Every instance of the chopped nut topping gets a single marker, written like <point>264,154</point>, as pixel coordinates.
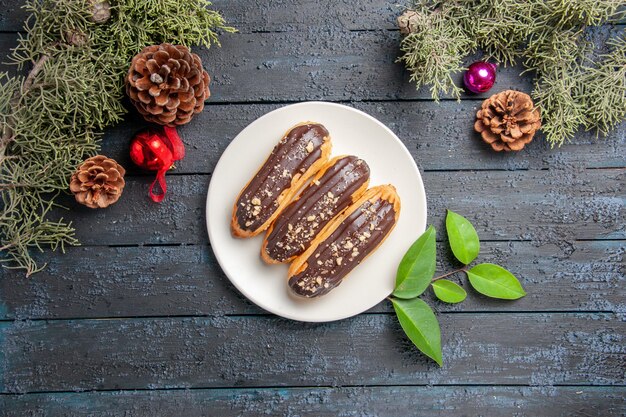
<point>318,280</point>
<point>331,195</point>
<point>316,182</point>
<point>339,260</point>
<point>310,218</point>
<point>248,223</point>
<point>367,234</point>
<point>256,202</point>
<point>289,227</point>
<point>310,147</point>
<point>348,245</point>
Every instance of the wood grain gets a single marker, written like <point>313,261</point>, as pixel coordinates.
<point>436,401</point>
<point>203,352</point>
<point>96,282</point>
<point>117,315</point>
<point>546,206</point>
<point>250,16</point>
<point>312,65</point>
<point>440,136</point>
<point>273,15</point>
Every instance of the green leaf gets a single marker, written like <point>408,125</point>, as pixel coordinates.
<point>417,266</point>
<point>495,281</point>
<point>448,291</point>
<point>463,238</point>
<point>421,326</point>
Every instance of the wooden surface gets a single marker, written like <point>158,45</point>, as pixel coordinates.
<point>141,321</point>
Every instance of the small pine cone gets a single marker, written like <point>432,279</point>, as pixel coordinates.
<point>508,120</point>
<point>167,84</point>
<point>98,182</point>
<point>407,22</point>
<point>76,37</point>
<point>100,10</point>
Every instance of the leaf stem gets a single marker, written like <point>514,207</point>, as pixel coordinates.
<point>463,269</point>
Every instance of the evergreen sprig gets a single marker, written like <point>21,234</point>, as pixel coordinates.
<point>416,273</point>
<point>51,119</point>
<point>573,89</point>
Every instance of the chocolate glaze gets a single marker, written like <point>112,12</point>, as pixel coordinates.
<point>323,199</point>
<point>294,154</point>
<point>355,238</point>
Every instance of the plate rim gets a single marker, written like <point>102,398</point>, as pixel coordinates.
<point>239,288</point>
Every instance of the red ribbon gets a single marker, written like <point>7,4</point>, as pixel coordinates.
<point>158,151</point>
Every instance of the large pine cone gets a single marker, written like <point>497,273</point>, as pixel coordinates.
<point>98,182</point>
<point>508,120</point>
<point>167,84</point>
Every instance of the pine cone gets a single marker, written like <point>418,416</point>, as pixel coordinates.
<point>100,10</point>
<point>167,84</point>
<point>508,120</point>
<point>98,182</point>
<point>407,22</point>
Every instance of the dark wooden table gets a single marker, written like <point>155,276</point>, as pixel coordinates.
<point>141,321</point>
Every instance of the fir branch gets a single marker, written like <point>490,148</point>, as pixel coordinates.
<point>561,113</point>
<point>51,120</point>
<point>603,89</point>
<point>433,51</point>
<point>572,89</point>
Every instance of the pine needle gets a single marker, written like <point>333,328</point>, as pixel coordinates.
<point>51,120</point>
<point>572,88</point>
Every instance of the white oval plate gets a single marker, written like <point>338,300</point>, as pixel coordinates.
<point>352,132</point>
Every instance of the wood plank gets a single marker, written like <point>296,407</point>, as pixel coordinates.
<point>297,15</point>
<point>313,65</point>
<point>96,282</point>
<point>548,206</point>
<point>304,61</point>
<point>439,136</point>
<point>506,349</point>
<point>433,129</point>
<point>274,15</point>
<point>318,402</point>
<point>320,64</point>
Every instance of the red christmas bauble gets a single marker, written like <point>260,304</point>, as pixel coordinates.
<point>480,77</point>
<point>157,150</point>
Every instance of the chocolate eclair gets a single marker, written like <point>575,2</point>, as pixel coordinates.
<point>338,184</point>
<point>345,242</point>
<point>298,156</point>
